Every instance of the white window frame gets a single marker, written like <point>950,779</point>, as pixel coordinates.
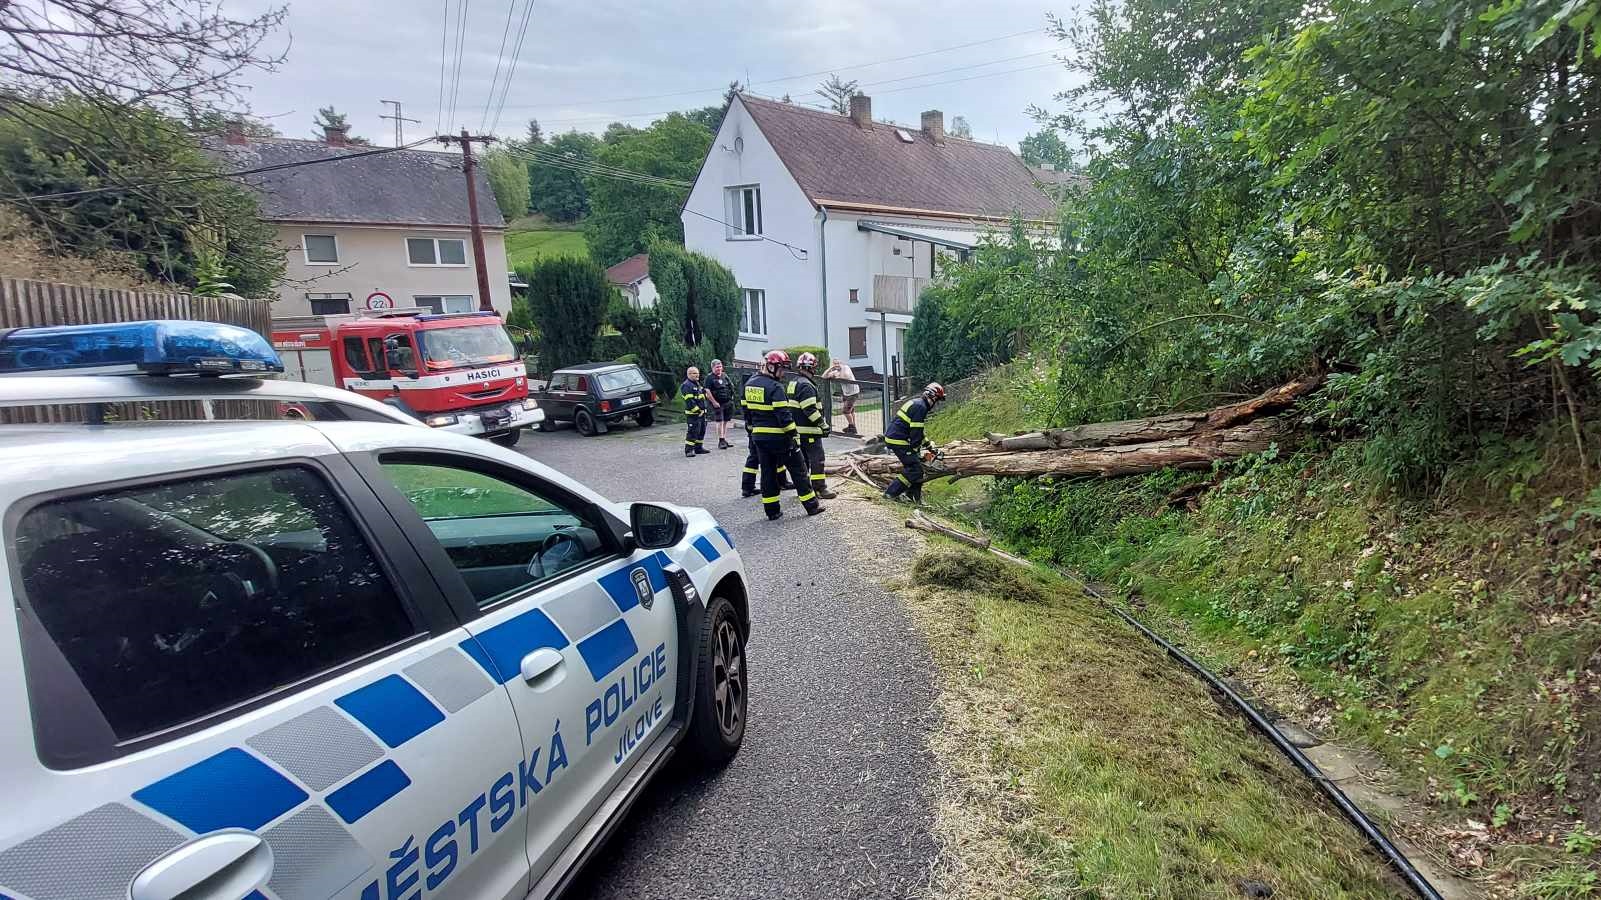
<point>436,264</point>
<point>471,306</point>
<point>734,205</point>
<point>745,297</point>
<point>306,254</point>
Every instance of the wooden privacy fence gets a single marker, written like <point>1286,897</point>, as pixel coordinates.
<point>33,303</point>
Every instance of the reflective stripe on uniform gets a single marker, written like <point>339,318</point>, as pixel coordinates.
<point>764,407</point>
<point>809,430</point>
<point>750,471</point>
<point>807,497</point>
<point>769,499</point>
<point>763,429</point>
<point>809,401</point>
<point>780,470</point>
<point>903,480</point>
<point>819,477</point>
<point>897,442</point>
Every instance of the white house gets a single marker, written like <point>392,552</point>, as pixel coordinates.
<point>834,224</point>
<point>369,231</point>
<point>632,277</point>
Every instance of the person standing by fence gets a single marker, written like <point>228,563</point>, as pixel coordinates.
<point>720,388</point>
<point>694,413</point>
<point>849,391</point>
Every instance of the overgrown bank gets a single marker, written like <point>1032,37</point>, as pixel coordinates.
<point>1455,634</point>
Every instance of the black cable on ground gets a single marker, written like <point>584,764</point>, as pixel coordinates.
<point>1370,830</point>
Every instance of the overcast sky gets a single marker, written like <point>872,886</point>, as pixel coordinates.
<point>584,61</point>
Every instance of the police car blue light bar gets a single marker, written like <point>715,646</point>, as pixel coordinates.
<point>156,347</point>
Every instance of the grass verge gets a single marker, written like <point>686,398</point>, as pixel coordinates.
<point>525,247</point>
<point>1079,762</point>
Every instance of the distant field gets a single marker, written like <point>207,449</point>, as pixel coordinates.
<point>524,247</point>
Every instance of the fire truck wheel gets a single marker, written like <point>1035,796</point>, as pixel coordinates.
<point>507,438</point>
<point>584,422</point>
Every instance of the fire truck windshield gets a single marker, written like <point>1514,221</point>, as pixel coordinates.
<point>469,345</point>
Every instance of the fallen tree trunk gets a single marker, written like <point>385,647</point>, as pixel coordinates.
<point>1195,451</point>
<point>1139,431</point>
<point>924,523</point>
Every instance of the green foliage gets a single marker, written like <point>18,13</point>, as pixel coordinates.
<point>525,246</point>
<point>568,299</point>
<point>1045,146</point>
<point>697,307</point>
<point>558,192</point>
<point>626,216</point>
<point>508,179</point>
<point>973,570</point>
<point>837,93</point>
<point>80,146</point>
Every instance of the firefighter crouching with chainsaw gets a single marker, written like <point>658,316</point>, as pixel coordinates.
<point>772,430</point>
<point>904,436</point>
<point>809,422</point>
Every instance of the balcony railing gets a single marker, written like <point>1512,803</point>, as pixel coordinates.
<point>896,293</point>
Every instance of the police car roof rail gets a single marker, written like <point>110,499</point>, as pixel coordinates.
<point>78,390</point>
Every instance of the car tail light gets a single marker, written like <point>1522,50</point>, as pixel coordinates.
<point>605,406</point>
<point>653,397</point>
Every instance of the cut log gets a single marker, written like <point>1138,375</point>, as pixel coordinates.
<point>1139,431</point>
<point>1195,451</point>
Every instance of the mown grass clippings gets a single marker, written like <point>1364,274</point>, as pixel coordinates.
<point>973,570</point>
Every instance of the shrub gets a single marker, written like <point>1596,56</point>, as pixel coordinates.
<point>820,352</point>
<point>568,299</point>
<point>698,307</point>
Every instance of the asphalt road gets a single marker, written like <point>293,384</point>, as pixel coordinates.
<point>829,798</point>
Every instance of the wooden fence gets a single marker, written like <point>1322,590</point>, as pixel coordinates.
<point>34,303</point>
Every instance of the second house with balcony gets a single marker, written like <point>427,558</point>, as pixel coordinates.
<point>834,224</point>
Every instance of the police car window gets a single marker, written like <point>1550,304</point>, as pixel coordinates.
<point>502,537</point>
<point>174,601</point>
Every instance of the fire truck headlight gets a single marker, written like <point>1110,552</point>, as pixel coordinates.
<point>440,421</point>
<point>530,403</point>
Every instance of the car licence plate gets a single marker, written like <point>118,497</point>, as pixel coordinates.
<point>630,401</point>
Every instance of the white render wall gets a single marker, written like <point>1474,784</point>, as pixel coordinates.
<point>794,309</point>
<point>374,258</point>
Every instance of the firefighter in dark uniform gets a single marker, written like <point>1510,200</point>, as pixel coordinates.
<point>694,413</point>
<point>809,422</point>
<point>904,436</point>
<point>772,431</point>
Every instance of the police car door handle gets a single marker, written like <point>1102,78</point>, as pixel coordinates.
<point>541,664</point>
<point>227,864</point>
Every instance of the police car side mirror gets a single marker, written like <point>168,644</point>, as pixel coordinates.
<point>656,527</point>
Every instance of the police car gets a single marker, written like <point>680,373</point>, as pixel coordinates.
<point>348,657</point>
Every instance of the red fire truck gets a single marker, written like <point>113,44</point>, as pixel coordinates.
<point>455,371</point>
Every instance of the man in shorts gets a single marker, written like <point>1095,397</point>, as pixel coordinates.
<point>850,390</point>
<point>720,390</point>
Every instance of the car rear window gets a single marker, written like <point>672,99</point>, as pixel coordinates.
<point>173,601</point>
<point>623,379</point>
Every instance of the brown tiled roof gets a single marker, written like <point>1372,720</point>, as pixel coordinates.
<point>836,162</point>
<point>634,269</point>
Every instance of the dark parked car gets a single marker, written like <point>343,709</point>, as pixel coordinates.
<point>595,395</point>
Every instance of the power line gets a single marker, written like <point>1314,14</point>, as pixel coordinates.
<point>799,253</point>
<point>516,56</point>
<point>590,167</point>
<point>913,87</point>
<point>829,71</point>
<point>500,57</point>
<point>455,78</point>
<point>215,176</point>
<point>957,68</point>
<point>444,36</point>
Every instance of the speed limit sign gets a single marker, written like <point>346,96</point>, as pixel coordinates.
<point>380,300</point>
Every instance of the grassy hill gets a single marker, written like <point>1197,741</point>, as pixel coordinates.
<point>524,246</point>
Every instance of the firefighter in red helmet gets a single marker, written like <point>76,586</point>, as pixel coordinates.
<point>770,421</point>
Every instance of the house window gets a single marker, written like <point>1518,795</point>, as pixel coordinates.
<point>446,303</point>
<point>329,304</point>
<point>744,212</point>
<point>436,251</point>
<point>859,342</point>
<point>320,249</point>
<point>856,295</point>
<point>754,318</point>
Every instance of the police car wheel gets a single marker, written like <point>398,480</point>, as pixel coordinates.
<point>718,728</point>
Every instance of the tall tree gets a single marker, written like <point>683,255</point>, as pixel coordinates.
<point>712,116</point>
<point>328,117</point>
<point>536,136</point>
<point>837,93</point>
<point>626,214</point>
<point>960,128</point>
<point>508,179</point>
<point>698,306</point>
<point>1045,146</point>
<point>555,188</point>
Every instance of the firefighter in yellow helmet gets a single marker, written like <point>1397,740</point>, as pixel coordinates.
<point>904,436</point>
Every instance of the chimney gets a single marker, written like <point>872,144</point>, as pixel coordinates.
<point>234,132</point>
<point>934,125</point>
<point>862,111</point>
<point>336,135</point>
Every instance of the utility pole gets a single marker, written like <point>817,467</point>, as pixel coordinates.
<point>400,120</point>
<point>469,165</point>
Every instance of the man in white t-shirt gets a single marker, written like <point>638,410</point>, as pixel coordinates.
<point>850,391</point>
